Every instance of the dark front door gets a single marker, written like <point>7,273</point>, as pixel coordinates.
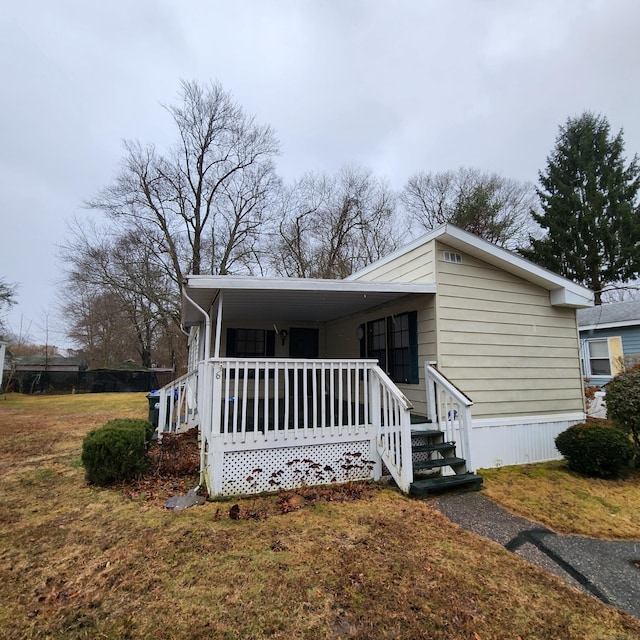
<point>303,343</point>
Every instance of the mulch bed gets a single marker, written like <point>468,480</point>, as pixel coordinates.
<point>175,467</point>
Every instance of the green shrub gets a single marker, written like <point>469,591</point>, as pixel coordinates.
<point>133,423</point>
<point>116,451</point>
<point>623,402</point>
<point>596,450</point>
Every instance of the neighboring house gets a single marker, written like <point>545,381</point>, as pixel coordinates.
<point>449,339</point>
<point>35,374</point>
<point>610,340</point>
<point>126,377</point>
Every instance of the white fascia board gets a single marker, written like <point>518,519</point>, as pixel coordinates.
<point>303,284</point>
<point>563,292</point>
<point>566,297</point>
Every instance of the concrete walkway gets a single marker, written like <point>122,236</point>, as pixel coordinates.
<point>609,570</point>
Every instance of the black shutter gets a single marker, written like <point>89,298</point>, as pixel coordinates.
<point>414,367</point>
<point>271,343</point>
<point>231,342</point>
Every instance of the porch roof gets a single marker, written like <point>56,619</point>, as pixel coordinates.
<point>295,299</point>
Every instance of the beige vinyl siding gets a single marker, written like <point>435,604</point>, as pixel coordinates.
<point>345,344</point>
<point>415,266</point>
<point>503,344</point>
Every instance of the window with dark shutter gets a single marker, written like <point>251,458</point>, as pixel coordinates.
<point>393,342</point>
<point>250,343</point>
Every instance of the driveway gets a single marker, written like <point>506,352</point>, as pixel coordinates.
<point>608,570</point>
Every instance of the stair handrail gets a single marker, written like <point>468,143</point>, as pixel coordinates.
<point>442,399</point>
<point>390,416</point>
<point>178,403</point>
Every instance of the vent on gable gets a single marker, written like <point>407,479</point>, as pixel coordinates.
<point>449,256</point>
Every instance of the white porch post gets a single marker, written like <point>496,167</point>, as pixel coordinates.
<point>216,348</point>
<point>432,409</point>
<point>406,453</point>
<point>375,417</point>
<point>213,402</point>
<point>214,405</point>
<point>465,428</point>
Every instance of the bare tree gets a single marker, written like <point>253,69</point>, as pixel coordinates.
<point>334,225</point>
<point>116,295</point>
<point>490,206</point>
<point>200,207</point>
<point>205,198</point>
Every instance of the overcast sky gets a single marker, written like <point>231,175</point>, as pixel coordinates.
<point>397,86</point>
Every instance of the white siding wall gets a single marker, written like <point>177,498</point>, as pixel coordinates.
<point>496,443</point>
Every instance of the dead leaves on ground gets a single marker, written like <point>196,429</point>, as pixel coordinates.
<point>174,467</point>
<point>262,507</point>
<point>52,594</point>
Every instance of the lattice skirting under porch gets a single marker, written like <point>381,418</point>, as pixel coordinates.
<point>255,471</point>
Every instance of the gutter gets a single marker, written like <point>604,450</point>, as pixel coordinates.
<point>207,353</point>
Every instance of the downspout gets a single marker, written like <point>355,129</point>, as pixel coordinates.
<point>207,324</point>
<point>207,352</point>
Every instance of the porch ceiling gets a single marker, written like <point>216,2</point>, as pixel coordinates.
<point>294,299</point>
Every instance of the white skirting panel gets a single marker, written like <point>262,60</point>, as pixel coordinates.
<point>258,470</point>
<point>519,440</point>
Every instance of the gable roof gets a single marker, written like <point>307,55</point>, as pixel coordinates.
<point>24,362</point>
<point>606,316</point>
<point>563,292</point>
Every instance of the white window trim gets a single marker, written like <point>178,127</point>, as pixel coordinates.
<point>586,358</point>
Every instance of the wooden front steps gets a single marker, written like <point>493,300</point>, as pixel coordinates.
<point>431,456</point>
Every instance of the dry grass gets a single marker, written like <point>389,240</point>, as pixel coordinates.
<point>82,562</point>
<point>567,502</point>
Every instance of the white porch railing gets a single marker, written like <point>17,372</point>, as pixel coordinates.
<point>390,410</point>
<point>278,400</point>
<point>179,404</point>
<point>258,403</point>
<point>248,404</point>
<point>450,410</point>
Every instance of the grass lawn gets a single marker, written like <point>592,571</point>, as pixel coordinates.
<point>568,502</point>
<point>82,562</point>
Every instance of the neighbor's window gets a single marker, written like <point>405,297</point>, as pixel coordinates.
<point>393,342</point>
<point>250,343</point>
<point>597,361</point>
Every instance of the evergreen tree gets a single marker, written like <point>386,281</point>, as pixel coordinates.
<point>590,208</point>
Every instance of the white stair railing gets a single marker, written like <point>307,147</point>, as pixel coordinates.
<point>390,415</point>
<point>449,409</point>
